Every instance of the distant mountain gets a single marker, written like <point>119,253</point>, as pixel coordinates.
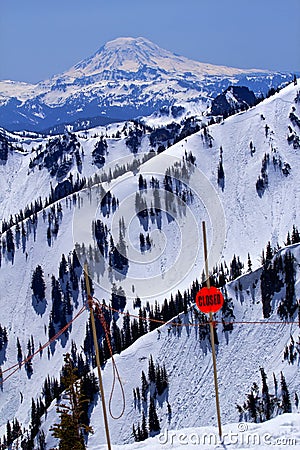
<point>126,78</point>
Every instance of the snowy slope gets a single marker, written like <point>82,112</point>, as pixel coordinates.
<point>282,432</point>
<point>251,221</point>
<point>273,214</point>
<point>245,211</point>
<point>189,366</point>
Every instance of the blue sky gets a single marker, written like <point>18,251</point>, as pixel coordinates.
<point>40,38</point>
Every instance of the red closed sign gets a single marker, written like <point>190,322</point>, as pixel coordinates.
<point>209,300</point>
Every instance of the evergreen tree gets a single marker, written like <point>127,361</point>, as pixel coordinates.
<point>288,305</point>
<point>116,338</point>
<point>252,402</point>
<point>145,386</point>
<point>142,241</point>
<point>63,267</point>
<point>249,263</point>
<point>221,175</point>
<point>144,431</point>
<point>235,268</point>
<point>295,235</point>
<point>10,245</point>
<point>19,351</point>
<point>70,428</point>
<point>151,370</point>
<point>157,202</point>
<point>38,284</point>
<point>121,260</point>
<point>89,390</point>
<point>28,364</point>
<point>9,438</point>
<point>153,422</point>
<point>56,301</point>
<point>141,182</point>
<point>265,395</point>
<point>142,322</point>
<point>275,384</point>
<point>3,338</point>
<point>35,419</point>
<point>286,402</point>
<point>269,253</point>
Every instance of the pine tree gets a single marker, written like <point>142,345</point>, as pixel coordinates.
<point>295,235</point>
<point>9,438</point>
<point>144,431</point>
<point>38,284</point>
<point>56,301</point>
<point>275,385</point>
<point>249,263</point>
<point>142,322</point>
<point>35,419</point>
<point>221,175</point>
<point>153,422</point>
<point>10,245</point>
<point>251,404</point>
<point>157,202</point>
<point>266,404</point>
<point>89,389</point>
<point>151,370</point>
<point>141,182</point>
<point>28,364</point>
<point>288,305</point>
<point>235,268</point>
<point>19,351</point>
<point>286,402</point>
<point>116,338</point>
<point>145,386</point>
<point>70,428</point>
<point>63,267</point>
<point>142,241</point>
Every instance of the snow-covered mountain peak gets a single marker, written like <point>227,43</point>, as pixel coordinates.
<point>121,54</point>
<point>132,54</point>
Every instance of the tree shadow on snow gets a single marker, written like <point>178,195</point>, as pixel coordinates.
<point>39,305</point>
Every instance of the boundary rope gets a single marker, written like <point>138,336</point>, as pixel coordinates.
<point>172,322</point>
<point>18,365</point>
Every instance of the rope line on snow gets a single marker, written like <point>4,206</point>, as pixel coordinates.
<point>18,365</point>
<point>116,374</point>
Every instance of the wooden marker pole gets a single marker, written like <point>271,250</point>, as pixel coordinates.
<point>212,336</point>
<point>90,304</point>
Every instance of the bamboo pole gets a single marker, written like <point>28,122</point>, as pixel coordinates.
<point>90,305</point>
<point>212,336</point>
